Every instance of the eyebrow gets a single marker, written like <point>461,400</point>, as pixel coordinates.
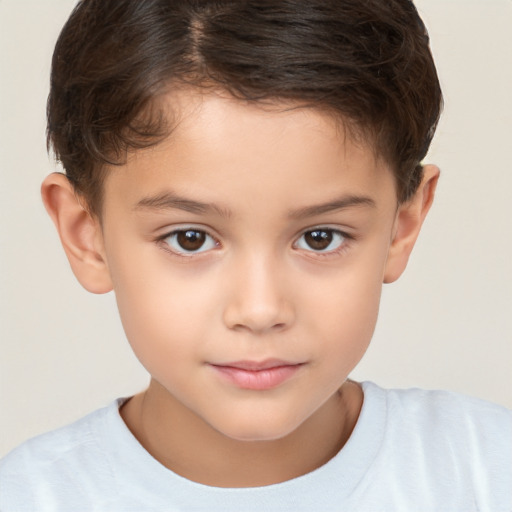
<point>170,200</point>
<point>337,204</point>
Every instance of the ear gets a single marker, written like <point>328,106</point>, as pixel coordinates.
<point>80,233</point>
<point>408,222</point>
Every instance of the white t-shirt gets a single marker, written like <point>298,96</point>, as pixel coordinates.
<point>411,451</point>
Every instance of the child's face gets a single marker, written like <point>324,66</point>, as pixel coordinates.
<point>249,237</point>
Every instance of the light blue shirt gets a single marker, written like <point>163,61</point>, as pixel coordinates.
<point>411,451</point>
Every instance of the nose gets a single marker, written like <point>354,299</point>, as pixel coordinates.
<point>258,299</point>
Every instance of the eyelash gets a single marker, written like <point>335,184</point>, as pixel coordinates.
<point>346,240</point>
<point>343,246</point>
<point>161,240</point>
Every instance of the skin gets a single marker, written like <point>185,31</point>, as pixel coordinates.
<point>255,290</point>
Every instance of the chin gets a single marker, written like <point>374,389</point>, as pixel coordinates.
<point>257,430</point>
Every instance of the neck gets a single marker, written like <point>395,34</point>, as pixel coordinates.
<point>187,445</point>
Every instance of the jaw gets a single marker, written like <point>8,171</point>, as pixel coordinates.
<point>199,452</point>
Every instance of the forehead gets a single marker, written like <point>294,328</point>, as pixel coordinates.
<point>233,148</point>
<point>196,110</point>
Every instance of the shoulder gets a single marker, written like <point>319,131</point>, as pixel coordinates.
<point>458,444</point>
<point>444,415</point>
<point>448,412</point>
<point>55,460</point>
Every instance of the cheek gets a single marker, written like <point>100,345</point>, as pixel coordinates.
<point>350,319</point>
<point>343,308</point>
<point>160,308</point>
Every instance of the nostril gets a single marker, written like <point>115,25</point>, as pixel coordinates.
<point>258,306</point>
<point>257,325</point>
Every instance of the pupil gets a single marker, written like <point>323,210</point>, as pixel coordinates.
<point>191,240</point>
<point>319,239</point>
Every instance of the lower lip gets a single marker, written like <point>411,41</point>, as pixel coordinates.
<point>258,379</point>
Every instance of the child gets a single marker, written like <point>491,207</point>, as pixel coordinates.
<point>245,175</point>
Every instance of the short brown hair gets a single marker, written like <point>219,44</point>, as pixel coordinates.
<point>367,61</point>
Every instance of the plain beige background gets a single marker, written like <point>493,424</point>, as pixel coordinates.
<point>446,324</point>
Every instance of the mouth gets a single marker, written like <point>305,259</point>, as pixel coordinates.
<point>257,375</point>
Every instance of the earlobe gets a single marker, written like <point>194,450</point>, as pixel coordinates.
<point>80,233</point>
<point>408,222</point>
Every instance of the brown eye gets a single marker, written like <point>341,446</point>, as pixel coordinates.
<point>321,240</point>
<point>190,241</point>
<point>318,240</point>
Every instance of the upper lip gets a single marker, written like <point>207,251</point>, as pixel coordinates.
<point>255,366</point>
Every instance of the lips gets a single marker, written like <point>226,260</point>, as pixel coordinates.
<point>257,375</point>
